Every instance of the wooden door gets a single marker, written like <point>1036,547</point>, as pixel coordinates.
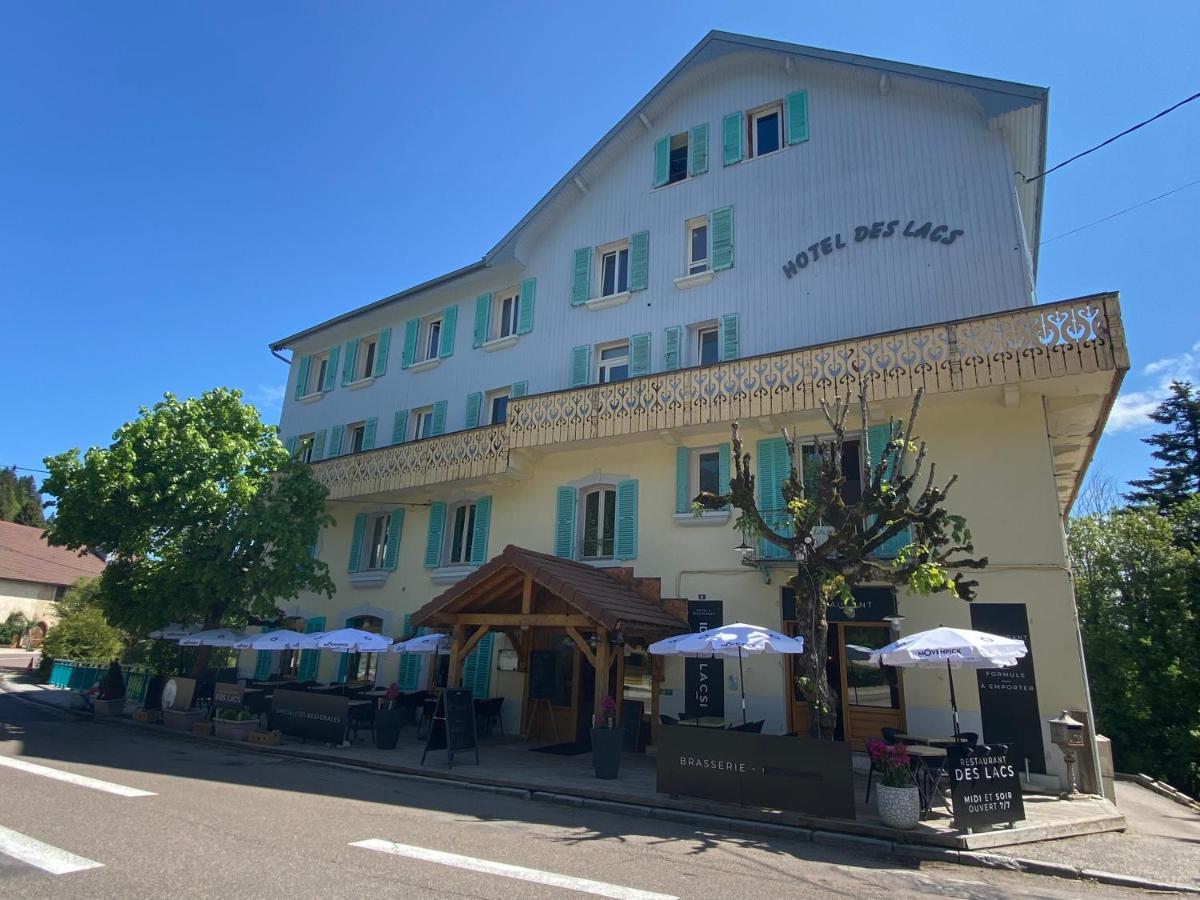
<point>871,696</point>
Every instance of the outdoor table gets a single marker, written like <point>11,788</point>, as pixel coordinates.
<point>704,721</point>
<point>929,740</point>
<point>925,780</point>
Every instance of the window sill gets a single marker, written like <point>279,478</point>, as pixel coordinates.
<point>451,574</point>
<point>361,383</point>
<point>684,180</point>
<point>501,343</point>
<point>311,398</point>
<point>375,578</point>
<point>610,300</point>
<point>707,517</point>
<point>604,563</point>
<point>691,281</point>
<point>425,365</point>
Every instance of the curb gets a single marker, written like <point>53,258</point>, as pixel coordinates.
<point>1162,789</point>
<point>878,846</point>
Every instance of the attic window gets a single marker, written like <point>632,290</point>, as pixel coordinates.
<point>766,129</point>
<point>677,169</point>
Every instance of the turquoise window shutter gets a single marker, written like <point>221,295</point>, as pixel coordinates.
<point>438,426</point>
<point>483,318</point>
<point>672,338</point>
<point>796,115</point>
<point>335,441</point>
<point>772,472</point>
<point>335,353</point>
<point>525,312</point>
<point>449,326</point>
<point>410,663</point>
<point>400,426</point>
<point>412,330</point>
<point>627,519</point>
<point>318,447</point>
<point>877,440</point>
<point>698,149</point>
<point>343,666</point>
<point>564,523</point>
<point>723,469</point>
<point>639,354</point>
<point>580,366</point>
<point>369,428</point>
<point>290,445</point>
<point>519,389</point>
<point>307,669</point>
<point>662,160</point>
<point>381,352</point>
<point>639,261</point>
<point>683,458</point>
<point>721,238</point>
<point>474,401</point>
<point>262,665</point>
<point>349,363</point>
<point>731,138</point>
<point>581,276</point>
<point>728,341</point>
<point>479,535</point>
<point>433,537</point>
<point>356,540</point>
<point>395,530</point>
<point>477,668</point>
<point>302,376</point>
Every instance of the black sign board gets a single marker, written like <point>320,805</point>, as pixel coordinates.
<point>631,725</point>
<point>322,717</point>
<point>771,770</point>
<point>228,696</point>
<point>985,786</point>
<point>704,679</point>
<point>870,604</point>
<point>544,680</point>
<point>1008,700</point>
<point>453,727</point>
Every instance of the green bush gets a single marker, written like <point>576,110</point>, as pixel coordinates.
<point>82,635</point>
<point>235,715</point>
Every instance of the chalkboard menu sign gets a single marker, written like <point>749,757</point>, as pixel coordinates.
<point>1008,702</point>
<point>543,680</point>
<point>453,728</point>
<point>704,679</point>
<point>631,725</point>
<point>984,786</point>
<point>322,717</point>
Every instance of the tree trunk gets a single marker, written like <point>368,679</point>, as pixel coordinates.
<point>813,625</point>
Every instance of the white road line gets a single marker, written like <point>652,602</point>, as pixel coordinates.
<point>71,778</point>
<point>46,857</point>
<point>584,885</point>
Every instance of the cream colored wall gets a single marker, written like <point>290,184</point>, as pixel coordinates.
<point>1005,488</point>
<point>34,601</point>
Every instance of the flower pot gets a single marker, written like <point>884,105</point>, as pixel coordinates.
<point>898,807</point>
<point>181,719</point>
<point>387,727</point>
<point>103,709</point>
<point>234,731</point>
<point>606,752</point>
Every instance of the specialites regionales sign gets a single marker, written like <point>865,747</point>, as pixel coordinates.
<point>934,233</point>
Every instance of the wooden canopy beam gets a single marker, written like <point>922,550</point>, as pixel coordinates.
<point>582,645</point>
<point>473,640</point>
<point>501,620</point>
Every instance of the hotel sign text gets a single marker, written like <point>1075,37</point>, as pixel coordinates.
<point>832,243</point>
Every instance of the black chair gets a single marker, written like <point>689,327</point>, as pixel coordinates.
<point>428,708</point>
<point>361,716</point>
<point>488,711</point>
<point>875,767</point>
<point>748,727</point>
<point>968,738</point>
<point>889,735</point>
<point>667,720</point>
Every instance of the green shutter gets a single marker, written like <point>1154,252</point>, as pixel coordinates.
<point>639,354</point>
<point>627,519</point>
<point>400,426</point>
<point>262,665</point>
<point>683,459</point>
<point>370,426</point>
<point>302,376</point>
<point>438,426</point>
<point>343,666</point>
<point>662,161</point>
<point>410,663</point>
<point>290,445</point>
<point>720,236</point>
<point>483,319</point>
<point>356,541</point>
<point>477,668</point>
<point>723,469</point>
<point>772,473</point>
<point>412,330</point>
<point>474,401</point>
<point>639,261</point>
<point>433,537</point>
<point>877,440</point>
<point>564,523</point>
<point>307,670</point>
<point>331,368</point>
<point>698,149</point>
<point>479,534</point>
<point>731,138</point>
<point>580,366</point>
<point>526,305</point>
<point>381,352</point>
<point>518,390</point>
<point>581,276</point>
<point>728,341</point>
<point>449,326</point>
<point>318,447</point>
<point>350,362</point>
<point>796,115</point>
<point>395,530</point>
<point>672,338</point>
<point>335,441</point>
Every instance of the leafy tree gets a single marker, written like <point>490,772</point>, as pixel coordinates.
<point>1178,448</point>
<point>83,594</point>
<point>203,515</point>
<point>20,500</point>
<point>836,542</point>
<point>84,634</point>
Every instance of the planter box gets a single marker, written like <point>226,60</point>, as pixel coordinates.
<point>146,715</point>
<point>606,751</point>
<point>104,709</point>
<point>202,729</point>
<point>266,738</point>
<point>234,731</point>
<point>181,720</point>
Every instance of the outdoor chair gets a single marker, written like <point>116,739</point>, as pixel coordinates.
<point>748,727</point>
<point>428,708</point>
<point>488,711</point>
<point>889,735</point>
<point>667,720</point>
<point>968,738</point>
<point>362,716</point>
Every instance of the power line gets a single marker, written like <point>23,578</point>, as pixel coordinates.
<point>1120,212</point>
<point>1111,139</point>
<point>25,469</point>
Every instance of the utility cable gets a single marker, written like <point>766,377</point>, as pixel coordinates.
<point>1120,212</point>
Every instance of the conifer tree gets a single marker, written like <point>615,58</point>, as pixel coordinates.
<point>1178,448</point>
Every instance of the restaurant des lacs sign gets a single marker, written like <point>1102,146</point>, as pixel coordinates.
<point>985,786</point>
<point>704,679</point>
<point>930,232</point>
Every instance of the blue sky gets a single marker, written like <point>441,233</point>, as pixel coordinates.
<point>182,183</point>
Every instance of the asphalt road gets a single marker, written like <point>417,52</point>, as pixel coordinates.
<point>219,822</point>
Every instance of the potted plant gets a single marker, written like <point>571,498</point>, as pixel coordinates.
<point>606,740</point>
<point>388,720</point>
<point>898,800</point>
<point>234,724</point>
<point>110,701</point>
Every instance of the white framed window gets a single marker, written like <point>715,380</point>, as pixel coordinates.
<point>766,129</point>
<point>598,522</point>
<point>677,162</point>
<point>852,472</point>
<point>304,447</point>
<point>422,423</point>
<point>696,233</point>
<point>355,437</point>
<point>613,269</point>
<point>612,362</point>
<point>460,535</point>
<point>375,551</point>
<point>431,338</point>
<point>317,368</point>
<point>506,307</point>
<point>362,666</point>
<point>706,344</point>
<point>705,472</point>
<point>497,406</point>
<point>364,363</point>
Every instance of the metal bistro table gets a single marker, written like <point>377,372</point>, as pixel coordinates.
<point>928,740</point>
<point>924,776</point>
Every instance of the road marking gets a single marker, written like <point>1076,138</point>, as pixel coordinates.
<point>584,885</point>
<point>46,857</point>
<point>71,778</point>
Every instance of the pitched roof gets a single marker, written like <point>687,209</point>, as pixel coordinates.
<point>25,556</point>
<point>588,589</point>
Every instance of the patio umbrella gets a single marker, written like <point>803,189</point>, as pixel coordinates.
<point>174,632</point>
<point>216,637</point>
<point>426,643</point>
<point>283,639</point>
<point>351,640</point>
<point>737,640</point>
<point>957,648</point>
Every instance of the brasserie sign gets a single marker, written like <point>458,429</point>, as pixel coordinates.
<point>939,233</point>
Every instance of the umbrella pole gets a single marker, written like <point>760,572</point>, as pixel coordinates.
<point>742,684</point>
<point>953,701</point>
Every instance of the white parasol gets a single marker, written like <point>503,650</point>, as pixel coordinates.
<point>283,639</point>
<point>426,643</point>
<point>216,637</point>
<point>351,640</point>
